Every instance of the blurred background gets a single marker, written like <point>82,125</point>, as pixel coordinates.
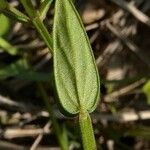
<point>119,32</point>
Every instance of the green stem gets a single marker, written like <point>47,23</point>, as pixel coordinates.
<point>44,7</point>
<point>86,128</point>
<point>27,4</point>
<point>39,25</point>
<point>61,136</point>
<point>37,22</point>
<point>14,13</point>
<point>8,47</point>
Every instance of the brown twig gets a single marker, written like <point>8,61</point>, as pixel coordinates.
<point>134,11</point>
<point>123,91</point>
<point>134,48</point>
<point>40,136</point>
<point>10,146</point>
<point>11,133</point>
<point>123,117</point>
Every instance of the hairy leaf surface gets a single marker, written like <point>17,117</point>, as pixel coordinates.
<point>76,76</point>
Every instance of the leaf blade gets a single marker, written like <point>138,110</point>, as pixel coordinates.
<point>74,63</point>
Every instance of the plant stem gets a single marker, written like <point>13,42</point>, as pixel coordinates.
<point>44,7</point>
<point>86,128</point>
<point>37,22</point>
<point>13,13</point>
<point>39,25</point>
<point>61,136</point>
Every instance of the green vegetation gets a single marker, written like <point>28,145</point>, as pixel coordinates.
<point>71,78</point>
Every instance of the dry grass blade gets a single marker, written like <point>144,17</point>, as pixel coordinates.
<point>123,91</point>
<point>16,133</point>
<point>133,47</point>
<point>108,52</point>
<point>124,116</point>
<point>134,11</point>
<point>10,146</point>
<point>40,136</point>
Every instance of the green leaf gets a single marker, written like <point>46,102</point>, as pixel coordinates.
<point>7,47</point>
<point>3,4</point>
<point>4,24</point>
<point>12,69</point>
<point>31,75</point>
<point>44,7</point>
<point>12,12</point>
<point>146,90</point>
<point>76,76</point>
<point>20,70</point>
<point>139,131</point>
